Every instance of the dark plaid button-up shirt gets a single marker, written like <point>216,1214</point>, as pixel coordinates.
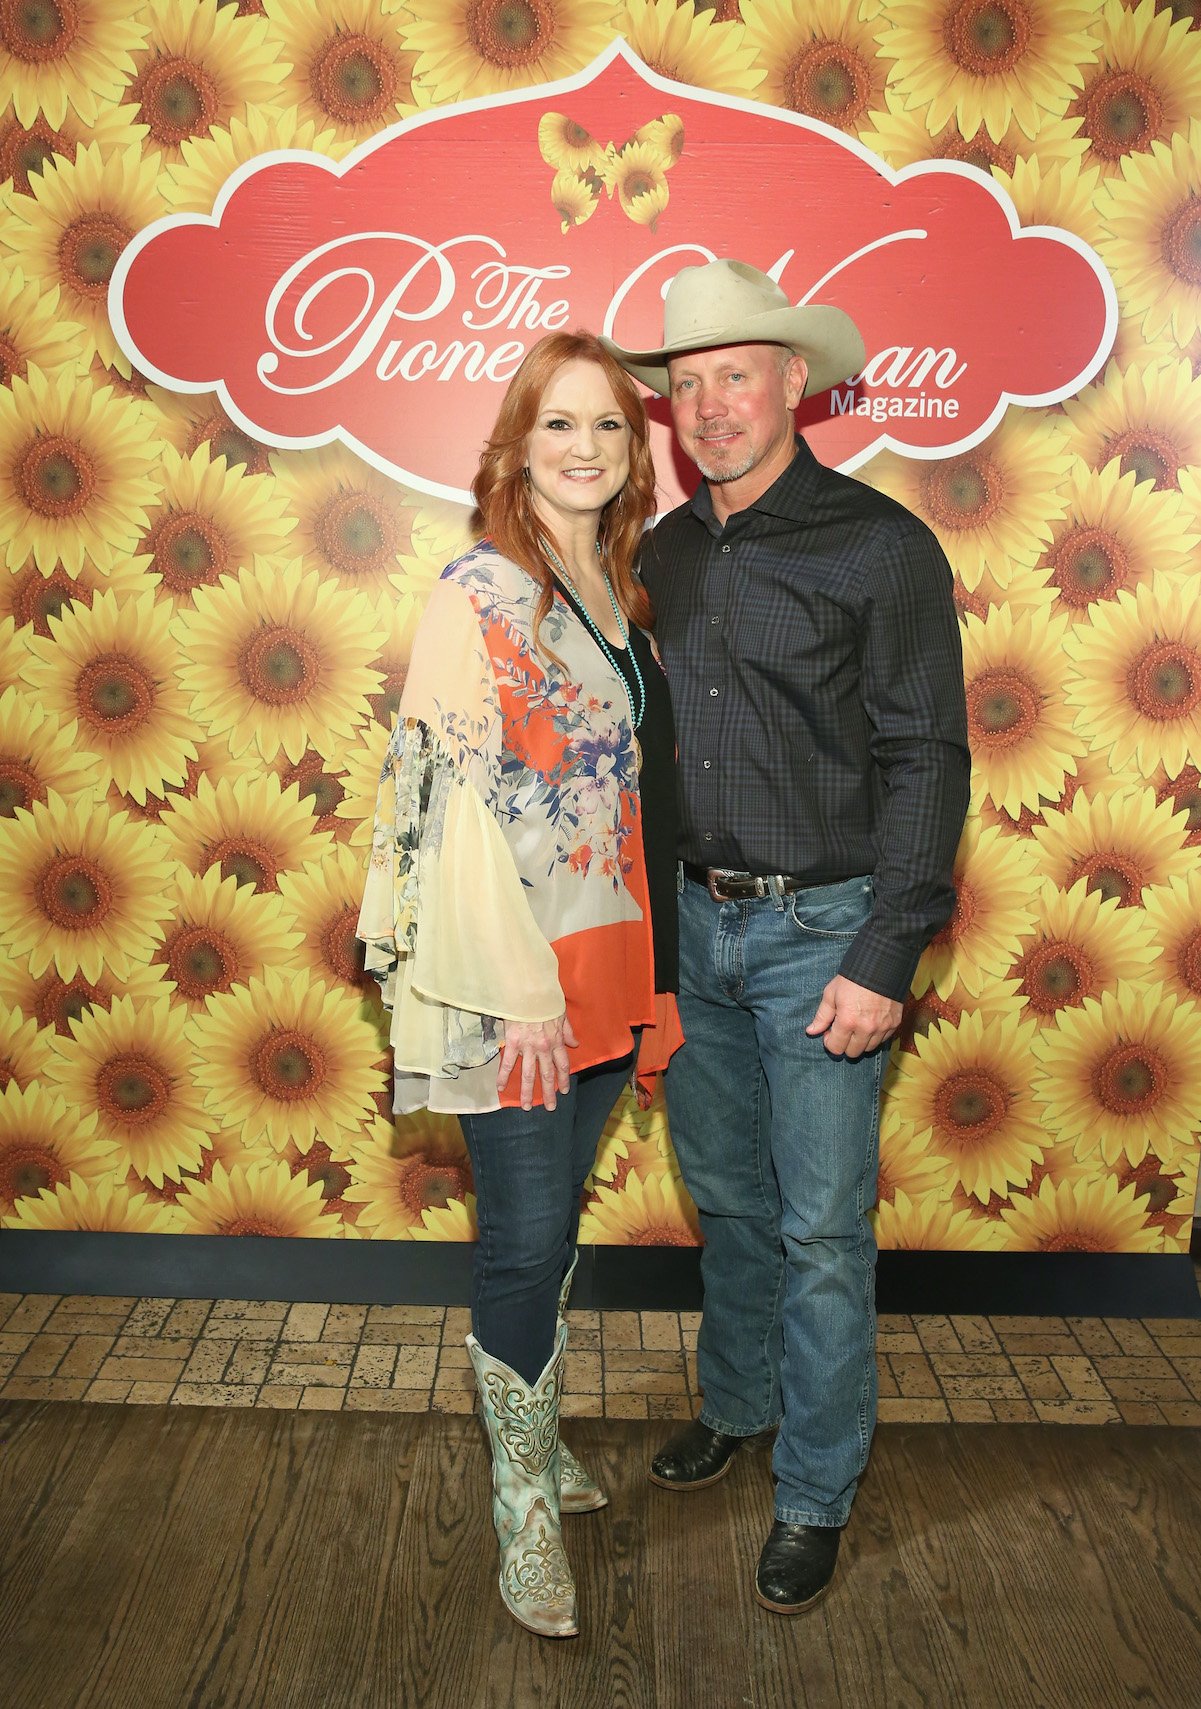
<point>813,653</point>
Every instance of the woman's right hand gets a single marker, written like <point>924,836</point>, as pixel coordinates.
<point>542,1047</point>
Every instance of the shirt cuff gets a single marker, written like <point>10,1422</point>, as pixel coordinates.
<point>881,964</point>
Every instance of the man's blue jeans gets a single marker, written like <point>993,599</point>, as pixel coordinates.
<point>529,1168</point>
<point>778,1144</point>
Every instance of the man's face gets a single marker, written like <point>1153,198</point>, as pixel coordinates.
<point>732,406</point>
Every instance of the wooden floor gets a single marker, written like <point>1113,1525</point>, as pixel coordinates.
<point>198,1558</point>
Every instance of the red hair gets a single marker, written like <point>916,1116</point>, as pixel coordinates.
<point>504,504</point>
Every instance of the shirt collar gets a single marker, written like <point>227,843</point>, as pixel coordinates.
<point>790,495</point>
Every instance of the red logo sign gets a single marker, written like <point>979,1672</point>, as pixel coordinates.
<point>386,300</point>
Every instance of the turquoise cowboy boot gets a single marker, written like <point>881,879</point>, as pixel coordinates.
<point>536,1585</point>
<point>578,1493</point>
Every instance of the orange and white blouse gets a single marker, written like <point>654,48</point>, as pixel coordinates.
<point>507,877</point>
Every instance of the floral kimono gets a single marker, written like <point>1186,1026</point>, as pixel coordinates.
<point>507,878</point>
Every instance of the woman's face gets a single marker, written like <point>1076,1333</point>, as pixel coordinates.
<point>578,451</point>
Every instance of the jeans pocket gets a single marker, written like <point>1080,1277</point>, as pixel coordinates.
<point>832,910</point>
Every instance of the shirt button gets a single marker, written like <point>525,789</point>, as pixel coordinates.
<point>706,764</point>
<point>708,836</point>
<point>725,548</point>
<point>715,620</point>
<point>713,691</point>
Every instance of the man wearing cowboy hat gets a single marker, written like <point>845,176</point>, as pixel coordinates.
<point>811,644</point>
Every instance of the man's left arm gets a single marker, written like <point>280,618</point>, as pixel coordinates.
<point>912,685</point>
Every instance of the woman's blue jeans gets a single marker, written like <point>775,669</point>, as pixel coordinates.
<point>778,1144</point>
<point>530,1167</point>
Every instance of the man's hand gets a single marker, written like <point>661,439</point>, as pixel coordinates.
<point>542,1047</point>
<point>853,1019</point>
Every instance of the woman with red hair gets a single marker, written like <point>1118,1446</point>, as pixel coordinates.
<point>520,909</point>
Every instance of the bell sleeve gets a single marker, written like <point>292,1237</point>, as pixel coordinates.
<point>445,921</point>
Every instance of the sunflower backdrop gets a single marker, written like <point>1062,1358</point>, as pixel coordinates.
<point>202,642</point>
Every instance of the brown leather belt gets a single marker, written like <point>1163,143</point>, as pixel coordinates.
<point>741,886</point>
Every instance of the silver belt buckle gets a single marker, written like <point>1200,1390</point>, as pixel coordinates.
<point>714,875</point>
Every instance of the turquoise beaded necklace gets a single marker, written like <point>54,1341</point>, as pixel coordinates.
<point>637,708</point>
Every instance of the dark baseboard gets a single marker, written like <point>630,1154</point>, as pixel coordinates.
<point>625,1278</point>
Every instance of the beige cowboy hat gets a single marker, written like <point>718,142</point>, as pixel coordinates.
<point>727,302</point>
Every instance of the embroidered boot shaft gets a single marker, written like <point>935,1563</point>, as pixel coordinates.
<point>578,1491</point>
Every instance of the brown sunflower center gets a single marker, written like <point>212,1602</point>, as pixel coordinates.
<point>431,1184</point>
<point>59,1002</point>
<point>88,251</point>
<point>247,858</point>
<point>1003,708</point>
<point>133,1088</point>
<point>279,665</point>
<point>251,1224</point>
<point>1074,1240</point>
<point>1185,791</point>
<point>356,80</point>
<point>509,33</point>
<point>987,37</point>
<point>341,950</point>
<point>660,1234</point>
<point>921,1014</point>
<point>829,81</point>
<point>1147,453</point>
<point>25,1168</point>
<point>1109,873</point>
<point>25,149</point>
<point>315,785</point>
<point>1180,242</point>
<point>962,492</point>
<point>970,1105</point>
<point>1122,113</point>
<point>201,960</point>
<point>38,31</point>
<point>12,360</point>
<point>288,1065</point>
<point>20,786</point>
<point>187,550</point>
<point>1164,681</point>
<point>638,182</point>
<point>1188,963</point>
<point>1055,976</point>
<point>115,694</point>
<point>177,98</point>
<point>35,598</point>
<point>1129,1080</point>
<point>980,151</point>
<point>55,476</point>
<point>359,535</point>
<point>74,893</point>
<point>1089,564</point>
<point>225,440</point>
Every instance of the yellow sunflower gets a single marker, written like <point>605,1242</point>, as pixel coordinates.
<point>1144,86</point>
<point>351,70</point>
<point>54,1002</point>
<point>71,229</point>
<point>213,760</point>
<point>43,1144</point>
<point>220,933</point>
<point>569,148</point>
<point>650,1210</point>
<point>1149,240</point>
<point>635,173</point>
<point>688,44</point>
<point>930,1224</point>
<point>1173,915</point>
<point>81,889</point>
<point>12,656</point>
<point>453,1221</point>
<point>1079,1216</point>
<point>903,137</point>
<point>997,500</point>
<point>1115,533</point>
<point>1016,586</point>
<point>188,420</point>
<point>322,786</point>
<point>995,1000</point>
<point>1081,944</point>
<point>634,1141</point>
<point>1148,418</point>
<point>994,884</point>
<point>190,183</point>
<point>353,523</point>
<point>465,48</point>
<point>574,198</point>
<point>1121,1076</point>
<point>98,1207</point>
<point>331,1173</point>
<point>363,766</point>
<point>212,520</point>
<point>111,668</point>
<point>820,60</point>
<point>1137,681</point>
<point>30,597</point>
<point>33,329</point>
<point>1019,725</point>
<point>1168,1191</point>
<point>200,64</point>
<point>133,1069</point>
<point>26,150</point>
<point>400,1172</point>
<point>324,902</point>
<point>251,829</point>
<point>968,1088</point>
<point>1063,195</point>
<point>988,63</point>
<point>265,1199</point>
<point>55,56</point>
<point>1184,790</point>
<point>278,660</point>
<point>286,1057</point>
<point>74,473</point>
<point>38,754</point>
<point>907,1164</point>
<point>24,1048</point>
<point>1120,843</point>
